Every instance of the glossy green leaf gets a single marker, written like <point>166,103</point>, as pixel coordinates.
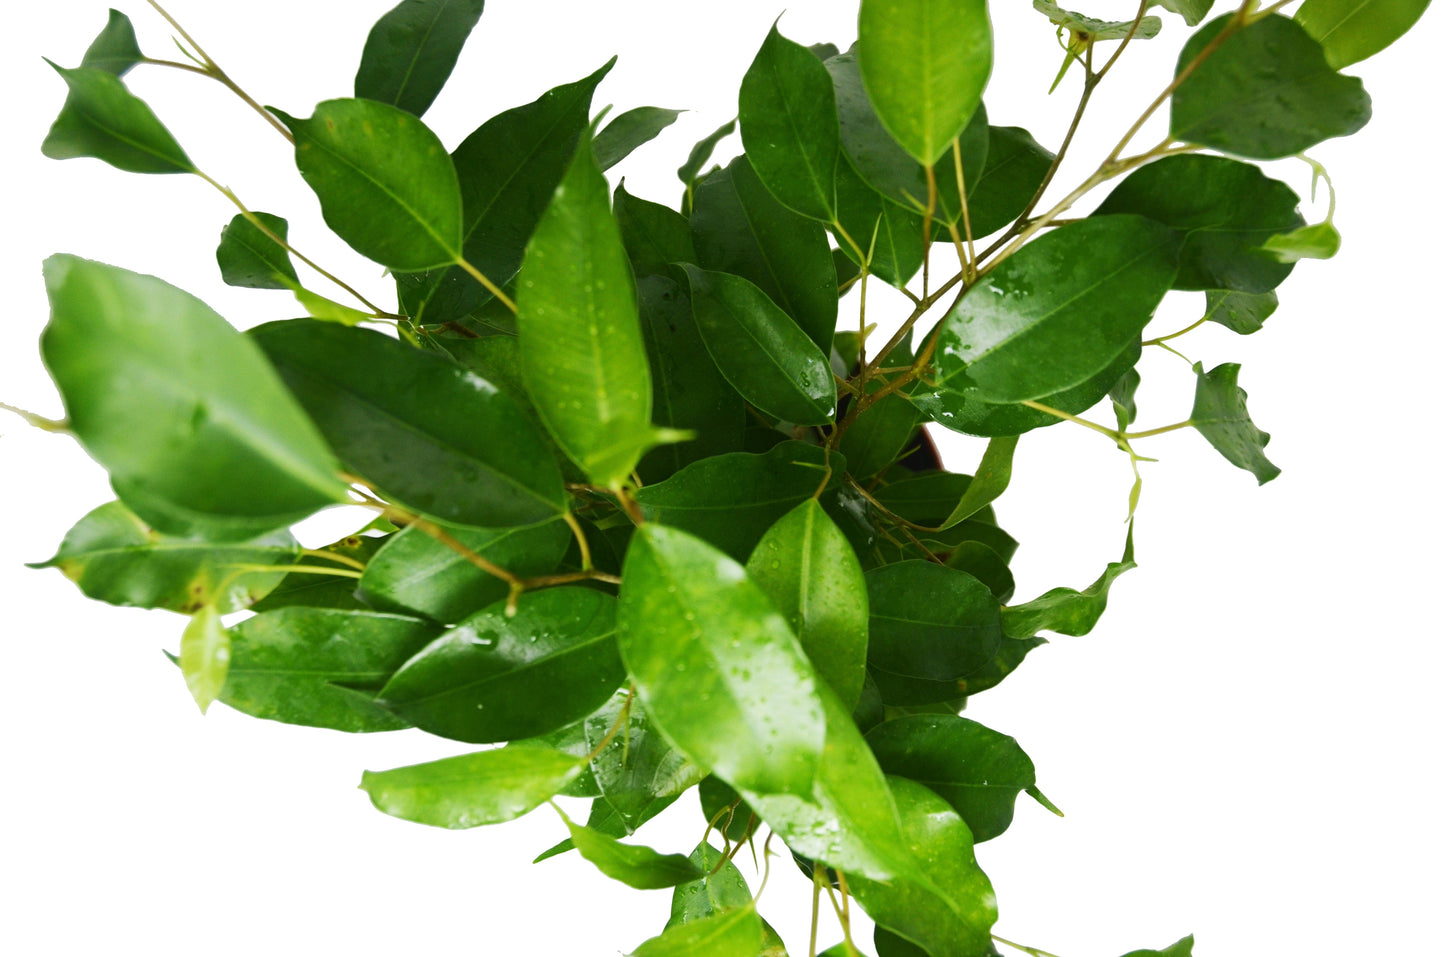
<point>1191,10</point>
<point>115,558</point>
<point>732,500</point>
<point>329,310</point>
<point>415,573</point>
<point>929,626</point>
<point>1058,311</point>
<point>1240,312</point>
<point>951,915</point>
<point>508,169</point>
<point>104,120</point>
<point>655,236</point>
<point>731,933</point>
<point>1180,948</point>
<point>1015,168</point>
<point>1223,210</point>
<point>720,888</point>
<point>924,498</point>
<point>572,739</point>
<point>789,125</point>
<point>1065,610</point>
<point>115,49</point>
<point>978,771</point>
<point>325,591</point>
<point>995,471</point>
<point>890,236</point>
<point>925,65</point>
<point>1011,654</point>
<point>760,350</point>
<point>1266,92</point>
<point>725,810</point>
<point>987,566</point>
<point>702,152</point>
<point>486,787</point>
<point>320,667</point>
<point>716,665</point>
<point>248,257</point>
<point>1147,28</point>
<point>205,655</point>
<point>140,362</point>
<point>582,353</point>
<point>1220,416</point>
<point>1320,241</point>
<point>1354,30</point>
<point>882,432</point>
<point>500,677</point>
<point>808,569</point>
<point>385,182</point>
<point>616,141</point>
<point>412,49</point>
<point>739,228</point>
<point>638,867</point>
<point>638,773</point>
<point>439,438</point>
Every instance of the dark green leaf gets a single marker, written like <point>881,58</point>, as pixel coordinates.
<point>1220,416</point>
<point>416,573</point>
<point>739,228</point>
<point>924,498</point>
<point>1266,92</point>
<point>995,471</point>
<point>731,500</point>
<point>724,809</point>
<point>1180,948</point>
<point>320,667</point>
<point>1147,28</point>
<point>1011,654</point>
<point>1239,311</point>
<point>1320,241</point>
<point>411,50</point>
<point>104,120</point>
<point>638,867</point>
<point>638,774</point>
<point>500,677</point>
<point>987,566</point>
<point>731,933</point>
<point>248,257</point>
<point>1065,610</point>
<point>1354,30</point>
<point>439,438</point>
<point>925,65</point>
<point>789,125</point>
<point>702,152</point>
<point>139,363</point>
<point>385,182</point>
<point>720,888</point>
<point>1223,210</point>
<point>115,50</point>
<point>325,591</point>
<point>582,353</point>
<point>760,350</point>
<point>1191,10</point>
<point>929,627</point>
<point>1016,167</point>
<point>115,558</point>
<point>1122,395</point>
<point>205,655</point>
<point>486,787</point>
<point>890,236</point>
<point>628,131</point>
<point>655,235</point>
<point>881,433</point>
<point>808,569</point>
<point>1059,311</point>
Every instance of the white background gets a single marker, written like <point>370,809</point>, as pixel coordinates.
<point>1247,747</point>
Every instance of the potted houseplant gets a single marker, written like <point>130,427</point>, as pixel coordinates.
<point>603,492</point>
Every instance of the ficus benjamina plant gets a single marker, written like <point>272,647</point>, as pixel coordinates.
<point>655,511</point>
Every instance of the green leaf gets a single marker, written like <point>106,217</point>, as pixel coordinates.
<point>1354,30</point>
<point>439,438</point>
<point>115,49</point>
<point>415,573</point>
<point>1191,10</point>
<point>1239,312</point>
<point>250,258</point>
<point>878,437</point>
<point>324,591</point>
<point>508,169</point>
<point>760,350</point>
<point>732,933</point>
<point>104,120</point>
<point>655,235</point>
<point>500,677</point>
<point>583,358</point>
<point>1148,27</point>
<point>1320,241</point>
<point>925,65</point>
<point>995,471</point>
<point>638,774</point>
<point>1065,610</point>
<point>808,569</point>
<point>115,558</point>
<point>412,49</point>
<point>716,665</point>
<point>205,655</point>
<point>1223,211</point>
<point>978,771</point>
<point>1266,92</point>
<point>638,867</point>
<point>1220,416</point>
<point>616,141</point>
<point>1016,167</point>
<point>386,184</point>
<point>720,887</point>
<point>329,310</point>
<point>486,787</point>
<point>724,809</point>
<point>139,363</point>
<point>789,125</point>
<point>929,627</point>
<point>731,500</point>
<point>739,228</point>
<point>890,236</point>
<point>1180,948</point>
<point>952,914</point>
<point>702,152</point>
<point>1058,311</point>
<point>987,566</point>
<point>320,667</point>
<point>1122,397</point>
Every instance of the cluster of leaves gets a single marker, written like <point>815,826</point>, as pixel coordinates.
<point>644,515</point>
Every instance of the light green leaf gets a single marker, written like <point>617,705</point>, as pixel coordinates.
<point>925,64</point>
<point>248,257</point>
<point>329,310</point>
<point>1147,29</point>
<point>104,120</point>
<point>731,933</point>
<point>115,49</point>
<point>1239,312</point>
<point>1126,409</point>
<point>995,471</point>
<point>1065,610</point>
<point>385,182</point>
<point>139,362</point>
<point>1354,30</point>
<point>616,141</point>
<point>412,49</point>
<point>1180,948</point>
<point>1191,10</point>
<point>486,787</point>
<point>1221,417</point>
<point>205,655</point>
<point>638,867</point>
<point>1320,241</point>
